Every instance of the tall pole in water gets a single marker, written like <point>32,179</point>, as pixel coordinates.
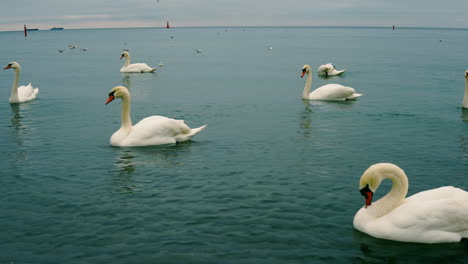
<point>25,31</point>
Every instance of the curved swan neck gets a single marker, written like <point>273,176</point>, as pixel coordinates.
<point>465,98</point>
<point>395,197</point>
<point>126,122</point>
<point>127,60</point>
<point>14,89</point>
<point>308,85</point>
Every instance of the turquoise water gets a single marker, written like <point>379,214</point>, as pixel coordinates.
<point>272,179</point>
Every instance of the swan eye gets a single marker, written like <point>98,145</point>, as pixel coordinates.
<point>112,93</point>
<point>365,190</point>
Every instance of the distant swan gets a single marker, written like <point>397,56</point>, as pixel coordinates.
<point>465,98</point>
<point>326,92</point>
<point>134,67</point>
<point>433,216</point>
<point>23,93</point>
<point>329,70</point>
<point>153,130</point>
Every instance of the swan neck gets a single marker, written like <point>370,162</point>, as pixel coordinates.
<point>395,197</point>
<point>465,98</point>
<point>307,87</point>
<point>125,115</point>
<point>127,60</point>
<point>14,89</point>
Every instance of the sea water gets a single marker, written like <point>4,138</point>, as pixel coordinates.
<point>272,179</point>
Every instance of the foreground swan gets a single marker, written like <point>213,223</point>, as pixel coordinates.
<point>326,92</point>
<point>465,98</point>
<point>153,130</point>
<point>434,216</point>
<point>23,93</point>
<point>329,70</point>
<point>134,67</point>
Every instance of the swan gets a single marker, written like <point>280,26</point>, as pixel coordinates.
<point>23,93</point>
<point>153,130</point>
<point>465,98</point>
<point>329,70</point>
<point>433,216</point>
<point>326,92</point>
<point>134,67</point>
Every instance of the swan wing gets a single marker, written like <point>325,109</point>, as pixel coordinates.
<point>333,92</point>
<point>27,93</point>
<point>157,130</point>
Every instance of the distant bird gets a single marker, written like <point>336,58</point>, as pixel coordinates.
<point>60,50</point>
<point>134,67</point>
<point>161,64</point>
<point>328,70</point>
<point>150,131</point>
<point>198,50</point>
<point>269,48</point>
<point>326,92</point>
<point>83,49</point>
<point>20,94</point>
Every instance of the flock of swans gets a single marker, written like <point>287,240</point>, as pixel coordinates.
<point>435,216</point>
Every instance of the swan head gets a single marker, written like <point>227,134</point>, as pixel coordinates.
<point>466,75</point>
<point>125,54</point>
<point>373,177</point>
<point>12,65</point>
<point>117,92</point>
<point>305,69</point>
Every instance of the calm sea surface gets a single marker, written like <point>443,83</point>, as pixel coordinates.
<point>272,179</point>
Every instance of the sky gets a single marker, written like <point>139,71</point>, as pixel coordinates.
<point>73,14</point>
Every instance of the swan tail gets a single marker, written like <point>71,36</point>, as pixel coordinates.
<point>190,134</point>
<point>354,96</point>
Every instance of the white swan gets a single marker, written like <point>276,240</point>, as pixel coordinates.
<point>23,93</point>
<point>153,130</point>
<point>465,98</point>
<point>434,216</point>
<point>134,67</point>
<point>326,92</point>
<point>329,70</point>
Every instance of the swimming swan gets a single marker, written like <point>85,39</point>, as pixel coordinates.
<point>23,93</point>
<point>153,130</point>
<point>134,67</point>
<point>433,216</point>
<point>465,98</point>
<point>326,92</point>
<point>329,70</point>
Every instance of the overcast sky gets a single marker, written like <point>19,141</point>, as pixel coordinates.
<point>44,14</point>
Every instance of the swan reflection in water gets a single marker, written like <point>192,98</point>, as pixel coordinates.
<point>21,128</point>
<point>374,250</point>
<point>132,161</point>
<point>464,114</point>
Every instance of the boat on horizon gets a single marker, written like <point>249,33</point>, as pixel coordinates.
<point>57,28</point>
<point>32,29</point>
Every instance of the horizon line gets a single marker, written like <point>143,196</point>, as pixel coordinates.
<point>172,27</point>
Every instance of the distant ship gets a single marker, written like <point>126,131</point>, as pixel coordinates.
<point>57,28</point>
<point>167,24</point>
<point>32,29</point>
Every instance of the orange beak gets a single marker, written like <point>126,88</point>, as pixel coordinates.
<point>110,99</point>
<point>303,73</point>
<point>7,67</point>
<point>121,56</point>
